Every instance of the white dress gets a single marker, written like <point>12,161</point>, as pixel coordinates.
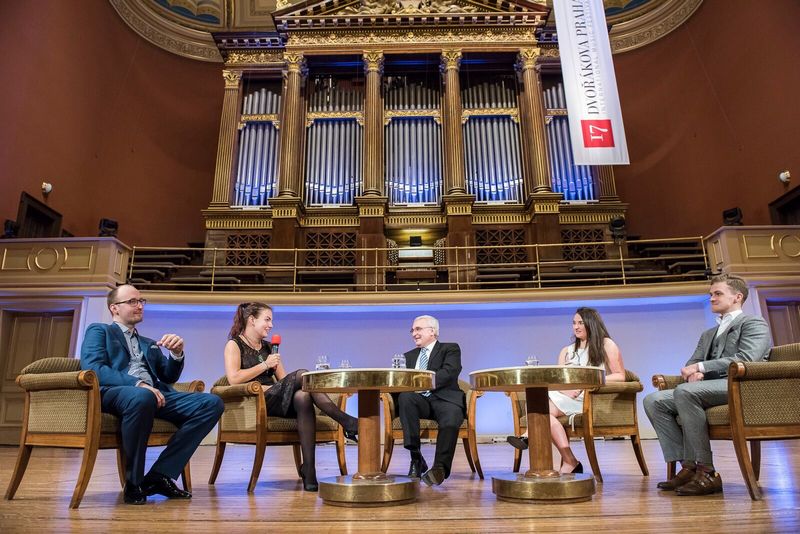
<point>565,403</point>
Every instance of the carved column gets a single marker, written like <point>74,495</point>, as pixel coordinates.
<point>292,126</point>
<point>607,187</point>
<point>544,204</point>
<point>453,138</point>
<point>373,125</point>
<point>287,207</point>
<point>457,203</point>
<point>534,139</point>
<point>372,204</point>
<point>223,175</point>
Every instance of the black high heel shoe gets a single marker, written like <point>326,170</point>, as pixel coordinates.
<point>352,436</point>
<point>311,485</point>
<point>577,469</point>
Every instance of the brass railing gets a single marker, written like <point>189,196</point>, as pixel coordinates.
<point>207,269</point>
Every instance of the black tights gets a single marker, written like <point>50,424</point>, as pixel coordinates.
<point>303,403</point>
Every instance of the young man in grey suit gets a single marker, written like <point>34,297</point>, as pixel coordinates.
<point>446,403</point>
<point>738,337</point>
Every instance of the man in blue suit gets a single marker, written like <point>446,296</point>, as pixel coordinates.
<point>135,378</point>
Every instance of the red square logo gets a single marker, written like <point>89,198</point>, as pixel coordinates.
<point>597,133</point>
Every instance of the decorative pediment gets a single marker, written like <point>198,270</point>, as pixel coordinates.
<point>315,14</point>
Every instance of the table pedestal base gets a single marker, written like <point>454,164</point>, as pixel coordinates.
<point>515,487</point>
<point>390,491</point>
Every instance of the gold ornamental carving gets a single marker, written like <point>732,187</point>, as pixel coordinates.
<point>658,21</point>
<point>407,7</point>
<point>770,246</point>
<point>500,218</point>
<point>232,78</point>
<point>280,4</point>
<point>255,58</point>
<point>512,113</point>
<point>459,208</point>
<point>527,58</point>
<point>167,34</point>
<point>399,221</point>
<point>390,114</point>
<point>451,59</point>
<point>587,218</point>
<point>373,61</point>
<point>295,62</point>
<point>371,211</point>
<point>312,116</point>
<point>428,36</point>
<point>321,221</point>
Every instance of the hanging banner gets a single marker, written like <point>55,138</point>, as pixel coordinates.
<point>595,117</point>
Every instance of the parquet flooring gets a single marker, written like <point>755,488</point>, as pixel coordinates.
<point>626,502</point>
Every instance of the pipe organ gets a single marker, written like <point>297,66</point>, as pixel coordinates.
<point>413,141</point>
<point>257,169</point>
<point>575,182</point>
<point>491,141</point>
<point>372,120</point>
<point>334,141</point>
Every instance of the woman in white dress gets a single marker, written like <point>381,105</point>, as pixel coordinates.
<point>594,347</point>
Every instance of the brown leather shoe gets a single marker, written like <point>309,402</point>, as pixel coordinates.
<point>703,483</point>
<point>683,477</point>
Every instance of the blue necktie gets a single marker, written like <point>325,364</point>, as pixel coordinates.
<point>423,365</point>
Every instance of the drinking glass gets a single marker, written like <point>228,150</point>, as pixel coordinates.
<point>322,363</point>
<point>398,361</point>
<point>532,361</point>
<point>345,364</point>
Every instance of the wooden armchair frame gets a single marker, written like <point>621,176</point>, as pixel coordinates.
<point>608,411</point>
<point>392,429</point>
<point>751,415</point>
<point>247,401</point>
<point>62,409</point>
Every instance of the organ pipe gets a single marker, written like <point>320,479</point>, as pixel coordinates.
<point>576,182</point>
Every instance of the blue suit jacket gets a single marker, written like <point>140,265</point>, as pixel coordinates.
<point>105,351</point>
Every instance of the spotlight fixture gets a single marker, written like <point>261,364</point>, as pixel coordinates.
<point>618,231</point>
<point>732,217</point>
<point>108,228</point>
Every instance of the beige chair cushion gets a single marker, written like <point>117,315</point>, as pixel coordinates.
<point>109,424</point>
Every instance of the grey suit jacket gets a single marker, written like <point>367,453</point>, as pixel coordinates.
<point>746,339</point>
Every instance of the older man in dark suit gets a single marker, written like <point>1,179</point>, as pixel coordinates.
<point>446,403</point>
<point>135,378</point>
<point>738,337</point>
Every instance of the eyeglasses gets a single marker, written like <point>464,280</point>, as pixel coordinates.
<point>132,302</point>
<point>419,329</point>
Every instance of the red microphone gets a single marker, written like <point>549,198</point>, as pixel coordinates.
<point>275,342</point>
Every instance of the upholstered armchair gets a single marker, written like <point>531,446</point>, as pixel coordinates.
<point>763,404</point>
<point>62,409</point>
<point>608,411</point>
<point>245,420</point>
<point>393,429</point>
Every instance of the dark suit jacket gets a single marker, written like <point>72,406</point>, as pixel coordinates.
<point>746,339</point>
<point>105,351</point>
<point>445,361</point>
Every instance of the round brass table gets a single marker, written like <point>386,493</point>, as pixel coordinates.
<point>369,486</point>
<point>540,484</point>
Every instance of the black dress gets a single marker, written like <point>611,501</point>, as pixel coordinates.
<point>280,393</point>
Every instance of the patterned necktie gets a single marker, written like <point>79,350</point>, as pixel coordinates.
<point>423,365</point>
<point>423,358</point>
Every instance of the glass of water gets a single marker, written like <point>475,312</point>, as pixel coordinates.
<point>398,361</point>
<point>532,361</point>
<point>345,364</point>
<point>322,363</point>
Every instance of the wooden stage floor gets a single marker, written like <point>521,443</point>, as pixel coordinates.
<point>626,502</point>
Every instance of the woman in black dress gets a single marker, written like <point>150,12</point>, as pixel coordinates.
<point>248,357</point>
